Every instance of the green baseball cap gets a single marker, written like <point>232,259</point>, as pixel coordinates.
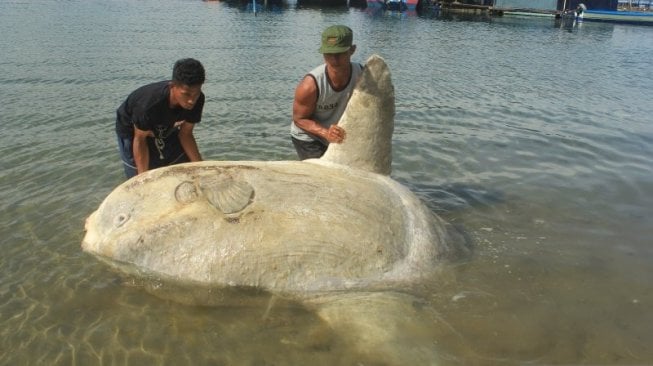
<point>336,39</point>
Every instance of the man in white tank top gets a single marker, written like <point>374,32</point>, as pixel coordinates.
<point>322,95</point>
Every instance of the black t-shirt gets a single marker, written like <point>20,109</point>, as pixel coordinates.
<point>148,108</point>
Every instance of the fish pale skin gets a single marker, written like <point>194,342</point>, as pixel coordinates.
<point>286,227</point>
<point>368,122</point>
<point>376,235</point>
<point>334,223</point>
<point>303,229</point>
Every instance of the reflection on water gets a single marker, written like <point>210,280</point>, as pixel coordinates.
<point>533,140</point>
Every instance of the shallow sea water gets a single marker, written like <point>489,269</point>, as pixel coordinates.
<point>534,140</point>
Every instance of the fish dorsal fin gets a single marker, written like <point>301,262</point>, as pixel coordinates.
<point>368,122</point>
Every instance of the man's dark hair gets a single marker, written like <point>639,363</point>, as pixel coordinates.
<point>188,71</point>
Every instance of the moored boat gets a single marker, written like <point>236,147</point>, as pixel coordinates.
<point>590,10</point>
<point>618,16</point>
<point>400,5</point>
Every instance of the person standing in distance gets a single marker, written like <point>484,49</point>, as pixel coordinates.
<point>322,95</point>
<point>155,123</point>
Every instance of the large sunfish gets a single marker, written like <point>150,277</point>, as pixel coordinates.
<point>292,227</point>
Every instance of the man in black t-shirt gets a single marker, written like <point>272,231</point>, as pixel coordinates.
<point>155,123</point>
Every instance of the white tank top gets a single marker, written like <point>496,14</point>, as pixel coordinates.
<point>331,104</point>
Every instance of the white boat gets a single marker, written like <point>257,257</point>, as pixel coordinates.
<point>619,16</point>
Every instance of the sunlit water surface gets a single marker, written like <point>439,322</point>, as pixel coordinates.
<point>534,140</point>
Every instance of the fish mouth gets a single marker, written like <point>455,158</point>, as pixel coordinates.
<point>90,236</point>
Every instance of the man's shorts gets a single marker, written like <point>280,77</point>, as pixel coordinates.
<point>309,149</point>
<point>172,153</point>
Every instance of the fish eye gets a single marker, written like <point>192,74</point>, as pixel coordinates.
<point>121,219</point>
